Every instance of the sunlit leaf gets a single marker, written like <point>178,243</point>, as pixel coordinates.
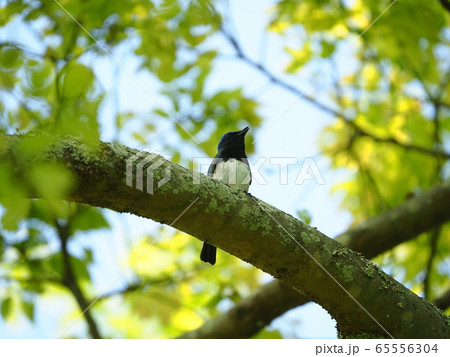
<point>7,307</point>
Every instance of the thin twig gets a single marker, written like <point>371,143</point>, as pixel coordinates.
<point>70,280</point>
<point>429,267</point>
<point>274,79</point>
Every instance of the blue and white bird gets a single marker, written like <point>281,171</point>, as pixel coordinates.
<point>230,166</point>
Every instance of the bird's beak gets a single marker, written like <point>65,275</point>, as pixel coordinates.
<point>244,131</point>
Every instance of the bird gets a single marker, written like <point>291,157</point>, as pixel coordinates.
<point>231,166</point>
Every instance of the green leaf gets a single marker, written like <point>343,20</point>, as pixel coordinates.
<point>16,210</point>
<point>87,218</point>
<point>266,334</point>
<point>88,255</point>
<point>161,112</point>
<point>76,80</point>
<point>28,309</point>
<point>328,49</point>
<point>80,268</point>
<point>299,58</point>
<point>41,210</point>
<point>40,77</point>
<point>7,306</point>
<point>123,118</point>
<point>305,216</point>
<point>8,80</point>
<point>11,58</point>
<point>51,181</point>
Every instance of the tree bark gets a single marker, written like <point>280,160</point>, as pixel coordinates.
<point>372,237</point>
<point>361,297</point>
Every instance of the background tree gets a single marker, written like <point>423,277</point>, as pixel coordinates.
<point>377,71</point>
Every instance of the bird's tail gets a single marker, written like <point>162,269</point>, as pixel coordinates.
<point>208,254</point>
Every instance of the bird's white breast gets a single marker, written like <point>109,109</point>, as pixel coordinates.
<point>233,172</point>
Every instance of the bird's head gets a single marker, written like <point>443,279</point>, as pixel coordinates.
<point>233,142</point>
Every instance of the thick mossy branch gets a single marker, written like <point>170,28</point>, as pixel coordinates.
<point>397,225</point>
<point>301,256</point>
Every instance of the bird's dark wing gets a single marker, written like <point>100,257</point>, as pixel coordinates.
<point>245,161</point>
<point>214,163</point>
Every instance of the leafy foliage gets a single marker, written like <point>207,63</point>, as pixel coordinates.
<point>390,128</point>
<point>391,105</point>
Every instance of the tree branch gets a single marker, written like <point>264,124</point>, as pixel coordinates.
<point>359,295</point>
<point>443,302</point>
<point>70,281</point>
<point>251,314</point>
<point>371,238</point>
<point>325,108</point>
<point>445,4</point>
<point>148,283</point>
<point>434,237</point>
